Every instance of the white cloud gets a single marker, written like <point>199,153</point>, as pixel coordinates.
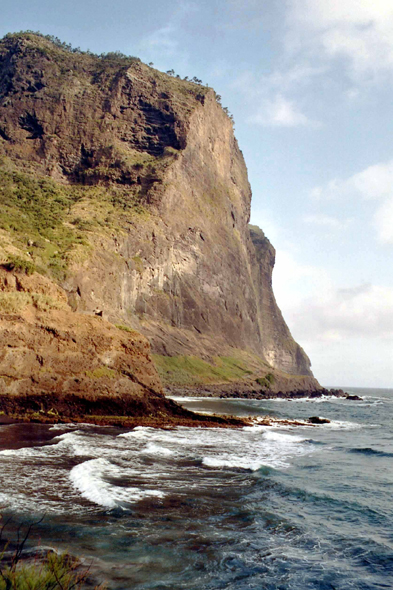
<point>293,282</point>
<point>355,35</point>
<point>291,77</point>
<point>327,221</point>
<point>323,14</point>
<point>163,40</point>
<point>372,183</point>
<point>358,30</point>
<point>275,95</point>
<point>375,182</point>
<point>383,222</point>
<point>365,311</point>
<point>341,329</point>
<point>279,112</point>
<point>354,362</point>
<point>166,41</point>
<point>316,309</point>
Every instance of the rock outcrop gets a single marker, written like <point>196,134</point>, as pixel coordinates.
<point>63,363</point>
<point>152,189</point>
<point>56,365</point>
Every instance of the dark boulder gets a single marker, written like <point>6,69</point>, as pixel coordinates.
<point>318,420</point>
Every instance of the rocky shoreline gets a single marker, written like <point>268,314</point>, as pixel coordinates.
<point>122,412</point>
<point>298,394</point>
<point>125,413</point>
<point>244,391</point>
<point>189,420</point>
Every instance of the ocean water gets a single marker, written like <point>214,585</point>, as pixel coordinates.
<point>289,508</point>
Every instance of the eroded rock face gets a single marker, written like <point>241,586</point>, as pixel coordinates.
<point>60,352</point>
<point>71,363</point>
<point>82,119</point>
<point>189,273</point>
<point>193,277</point>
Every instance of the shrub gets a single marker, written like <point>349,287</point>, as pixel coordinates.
<point>266,381</point>
<point>54,572</point>
<point>138,264</point>
<point>20,265</point>
<point>14,302</point>
<point>125,328</point>
<point>115,56</point>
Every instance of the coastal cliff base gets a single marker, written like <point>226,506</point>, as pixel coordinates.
<point>59,366</point>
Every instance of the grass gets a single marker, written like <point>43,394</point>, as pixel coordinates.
<point>33,211</point>
<point>192,370</point>
<point>266,381</point>
<point>126,329</point>
<point>102,372</point>
<point>16,302</point>
<point>53,572</point>
<point>54,222</point>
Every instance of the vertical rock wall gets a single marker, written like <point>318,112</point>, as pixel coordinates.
<point>192,276</point>
<point>187,272</point>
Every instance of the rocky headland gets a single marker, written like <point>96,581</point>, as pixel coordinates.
<point>127,258</point>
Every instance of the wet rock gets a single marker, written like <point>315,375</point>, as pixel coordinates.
<point>318,420</point>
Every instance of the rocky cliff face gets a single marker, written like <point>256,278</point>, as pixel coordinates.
<point>156,202</point>
<point>58,361</point>
<point>56,365</point>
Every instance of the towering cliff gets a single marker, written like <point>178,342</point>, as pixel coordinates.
<point>128,188</point>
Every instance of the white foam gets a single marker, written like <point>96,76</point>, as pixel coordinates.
<point>74,443</point>
<point>315,400</point>
<point>180,398</point>
<point>89,479</point>
<point>332,425</point>
<point>64,426</point>
<point>154,449</point>
<point>40,477</point>
<point>265,447</point>
<point>280,437</point>
<point>233,463</point>
<point>341,425</point>
<point>248,448</point>
<point>137,432</point>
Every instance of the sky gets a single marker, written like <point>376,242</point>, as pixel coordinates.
<point>309,83</point>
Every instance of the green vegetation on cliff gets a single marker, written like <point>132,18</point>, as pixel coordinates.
<point>127,186</point>
<point>49,222</point>
<point>79,160</point>
<point>191,370</point>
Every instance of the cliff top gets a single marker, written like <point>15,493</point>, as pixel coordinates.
<point>85,140</point>
<point>72,62</point>
<point>89,119</point>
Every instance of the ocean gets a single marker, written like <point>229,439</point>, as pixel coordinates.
<point>289,508</point>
